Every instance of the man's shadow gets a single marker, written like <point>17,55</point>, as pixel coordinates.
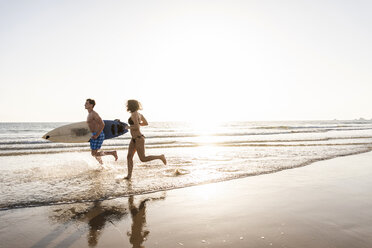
<point>96,215</point>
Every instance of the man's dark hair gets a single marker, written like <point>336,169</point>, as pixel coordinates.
<point>91,101</point>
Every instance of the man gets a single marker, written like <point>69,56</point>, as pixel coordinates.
<point>96,126</point>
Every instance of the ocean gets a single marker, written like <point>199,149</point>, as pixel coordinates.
<point>36,172</point>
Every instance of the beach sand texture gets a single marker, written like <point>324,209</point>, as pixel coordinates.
<point>326,204</point>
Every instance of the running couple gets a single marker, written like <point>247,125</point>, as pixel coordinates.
<point>137,143</point>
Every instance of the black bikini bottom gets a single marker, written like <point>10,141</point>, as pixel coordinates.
<point>137,137</point>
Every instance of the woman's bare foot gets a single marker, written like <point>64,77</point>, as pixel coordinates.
<point>163,159</point>
<point>115,155</point>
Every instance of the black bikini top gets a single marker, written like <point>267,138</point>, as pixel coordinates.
<point>130,121</point>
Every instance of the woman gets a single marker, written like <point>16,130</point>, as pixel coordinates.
<point>137,143</point>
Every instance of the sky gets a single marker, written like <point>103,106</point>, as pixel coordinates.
<point>186,60</point>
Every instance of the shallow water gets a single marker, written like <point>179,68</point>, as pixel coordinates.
<point>37,172</point>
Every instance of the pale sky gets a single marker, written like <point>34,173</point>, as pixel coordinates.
<point>192,60</point>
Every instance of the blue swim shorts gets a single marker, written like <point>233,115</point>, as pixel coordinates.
<point>96,144</point>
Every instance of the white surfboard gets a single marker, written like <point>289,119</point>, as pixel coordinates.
<point>72,133</point>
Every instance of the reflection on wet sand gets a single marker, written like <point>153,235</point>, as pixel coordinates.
<point>99,218</point>
<point>98,215</point>
<point>138,233</point>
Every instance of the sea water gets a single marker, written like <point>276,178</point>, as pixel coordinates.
<point>37,172</point>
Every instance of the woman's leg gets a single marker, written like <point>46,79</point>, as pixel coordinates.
<point>140,147</point>
<point>131,152</point>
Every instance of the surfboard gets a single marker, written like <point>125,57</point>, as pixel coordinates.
<point>114,129</point>
<point>79,132</point>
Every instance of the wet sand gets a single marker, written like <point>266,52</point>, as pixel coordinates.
<point>326,204</point>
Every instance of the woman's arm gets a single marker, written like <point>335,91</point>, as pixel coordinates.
<point>136,121</point>
<point>143,121</point>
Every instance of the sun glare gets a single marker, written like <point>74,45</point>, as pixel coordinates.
<point>207,191</point>
<point>206,131</point>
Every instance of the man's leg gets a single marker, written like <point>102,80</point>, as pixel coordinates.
<point>97,155</point>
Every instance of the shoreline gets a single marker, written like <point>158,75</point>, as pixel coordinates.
<point>324,204</point>
<point>221,180</point>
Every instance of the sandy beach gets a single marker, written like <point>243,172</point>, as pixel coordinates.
<point>252,124</point>
<point>325,204</point>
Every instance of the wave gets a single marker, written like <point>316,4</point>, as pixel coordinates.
<point>358,141</point>
<point>232,151</point>
<point>36,140</point>
<point>164,187</point>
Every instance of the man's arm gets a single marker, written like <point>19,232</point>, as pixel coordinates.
<point>100,125</point>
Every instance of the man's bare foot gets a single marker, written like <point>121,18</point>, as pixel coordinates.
<point>99,159</point>
<point>163,159</point>
<point>115,155</point>
<point>127,177</point>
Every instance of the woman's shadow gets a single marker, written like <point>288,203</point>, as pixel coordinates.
<point>138,232</point>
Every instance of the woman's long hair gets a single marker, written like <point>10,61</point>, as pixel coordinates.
<point>133,106</point>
